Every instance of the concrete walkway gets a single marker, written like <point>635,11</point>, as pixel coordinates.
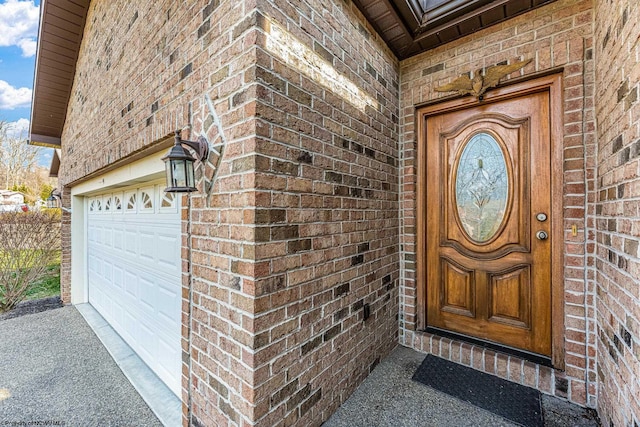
<point>389,398</point>
<point>55,371</point>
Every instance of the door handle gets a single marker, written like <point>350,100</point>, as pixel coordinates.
<point>542,235</point>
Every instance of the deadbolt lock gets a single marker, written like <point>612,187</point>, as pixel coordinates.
<point>542,235</point>
<point>542,217</point>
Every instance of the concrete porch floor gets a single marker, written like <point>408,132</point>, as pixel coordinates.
<point>53,368</point>
<point>389,397</point>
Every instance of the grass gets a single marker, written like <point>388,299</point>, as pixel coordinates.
<point>48,286</point>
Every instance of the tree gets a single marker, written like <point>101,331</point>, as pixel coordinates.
<point>19,167</point>
<point>17,158</point>
<point>45,190</point>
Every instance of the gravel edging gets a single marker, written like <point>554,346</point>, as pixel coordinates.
<point>32,307</point>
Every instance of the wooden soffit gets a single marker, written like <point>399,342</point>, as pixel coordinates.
<point>60,35</point>
<point>413,26</point>
<point>54,168</point>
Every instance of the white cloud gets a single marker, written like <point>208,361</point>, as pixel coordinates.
<point>11,97</point>
<point>19,25</point>
<point>28,47</point>
<point>18,129</point>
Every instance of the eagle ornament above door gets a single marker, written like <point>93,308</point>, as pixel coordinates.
<point>480,83</point>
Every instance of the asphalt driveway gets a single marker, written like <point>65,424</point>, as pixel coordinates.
<point>55,371</point>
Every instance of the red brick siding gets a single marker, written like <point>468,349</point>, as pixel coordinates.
<point>143,71</point>
<point>65,244</point>
<point>301,229</point>
<point>557,35</point>
<point>617,53</point>
<point>327,213</point>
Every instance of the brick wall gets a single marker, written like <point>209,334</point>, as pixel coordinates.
<point>143,71</point>
<point>617,53</point>
<point>327,210</point>
<point>65,255</point>
<point>557,35</point>
<point>300,233</point>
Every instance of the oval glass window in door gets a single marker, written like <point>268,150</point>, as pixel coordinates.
<point>481,187</point>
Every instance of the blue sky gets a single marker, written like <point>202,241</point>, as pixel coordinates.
<point>18,36</point>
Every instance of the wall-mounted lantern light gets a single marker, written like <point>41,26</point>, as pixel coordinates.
<point>179,164</point>
<point>55,200</point>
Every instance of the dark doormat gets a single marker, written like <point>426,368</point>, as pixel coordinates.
<point>512,401</point>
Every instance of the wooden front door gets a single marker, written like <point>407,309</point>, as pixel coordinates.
<point>487,226</point>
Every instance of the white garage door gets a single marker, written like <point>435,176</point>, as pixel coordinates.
<point>134,264</point>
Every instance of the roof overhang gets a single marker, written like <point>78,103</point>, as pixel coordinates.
<point>55,164</point>
<point>60,35</point>
<point>409,27</point>
<point>413,26</point>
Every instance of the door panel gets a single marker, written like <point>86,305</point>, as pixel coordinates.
<point>487,176</point>
<point>457,289</point>
<point>510,295</point>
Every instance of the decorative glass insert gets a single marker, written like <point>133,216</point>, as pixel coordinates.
<point>117,203</point>
<point>482,187</point>
<point>167,200</point>
<point>107,205</point>
<point>147,201</point>
<point>98,204</point>
<point>92,206</point>
<point>131,204</point>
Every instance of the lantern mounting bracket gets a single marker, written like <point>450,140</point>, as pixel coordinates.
<point>199,146</point>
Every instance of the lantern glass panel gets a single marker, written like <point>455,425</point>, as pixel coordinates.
<point>190,175</point>
<point>179,173</point>
<point>169,173</point>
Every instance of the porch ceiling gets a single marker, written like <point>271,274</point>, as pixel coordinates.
<point>413,26</point>
<point>61,28</point>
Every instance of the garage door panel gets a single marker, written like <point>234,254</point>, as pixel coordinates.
<point>135,269</point>
<point>99,237</point>
<point>131,242</point>
<point>118,313</point>
<point>118,239</point>
<point>91,261</point>
<point>138,265</point>
<point>107,271</point>
<point>118,274</point>
<point>168,303</point>
<point>130,328</point>
<point>107,237</point>
<point>148,292</point>
<point>131,285</point>
<point>167,353</point>
<point>169,252</point>
<point>98,266</point>
<point>98,296</point>
<point>147,338</point>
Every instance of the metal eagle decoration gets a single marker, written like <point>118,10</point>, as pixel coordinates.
<point>479,84</point>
